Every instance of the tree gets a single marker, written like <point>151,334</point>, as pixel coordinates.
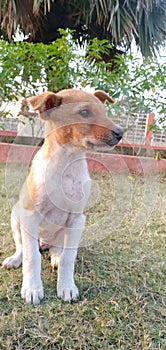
<point>27,68</point>
<point>136,86</point>
<point>119,21</point>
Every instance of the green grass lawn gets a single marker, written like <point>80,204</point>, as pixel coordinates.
<point>120,272</point>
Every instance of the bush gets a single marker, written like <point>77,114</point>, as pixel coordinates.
<point>28,68</point>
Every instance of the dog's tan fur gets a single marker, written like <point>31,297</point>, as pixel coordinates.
<point>53,198</point>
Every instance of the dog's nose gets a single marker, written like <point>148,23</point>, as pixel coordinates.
<point>118,132</point>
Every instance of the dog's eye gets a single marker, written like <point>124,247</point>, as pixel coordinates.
<point>85,113</point>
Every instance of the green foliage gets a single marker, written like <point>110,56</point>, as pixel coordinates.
<point>137,85</point>
<point>28,67</point>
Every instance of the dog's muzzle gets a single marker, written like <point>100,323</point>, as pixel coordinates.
<point>110,138</point>
<point>114,136</point>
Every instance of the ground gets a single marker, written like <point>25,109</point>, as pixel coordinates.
<point>120,272</point>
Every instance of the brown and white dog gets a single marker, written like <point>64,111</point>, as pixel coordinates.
<point>52,199</point>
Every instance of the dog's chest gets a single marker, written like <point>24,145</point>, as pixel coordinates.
<point>63,187</point>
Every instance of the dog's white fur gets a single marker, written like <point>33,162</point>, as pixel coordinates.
<point>53,198</point>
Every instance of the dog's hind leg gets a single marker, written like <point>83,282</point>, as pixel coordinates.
<point>15,260</point>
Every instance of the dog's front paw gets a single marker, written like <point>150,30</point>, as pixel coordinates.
<point>67,292</point>
<point>32,294</point>
<point>13,261</point>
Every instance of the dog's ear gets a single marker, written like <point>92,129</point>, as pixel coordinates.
<point>45,101</point>
<point>102,96</point>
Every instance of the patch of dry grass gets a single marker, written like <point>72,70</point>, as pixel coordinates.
<point>120,272</point>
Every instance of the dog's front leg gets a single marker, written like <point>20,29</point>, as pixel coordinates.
<point>66,288</point>
<point>32,290</point>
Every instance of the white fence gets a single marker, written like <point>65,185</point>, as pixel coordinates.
<point>137,128</point>
<point>159,138</point>
<point>9,124</point>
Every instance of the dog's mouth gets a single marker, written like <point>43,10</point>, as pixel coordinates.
<point>89,144</point>
<point>111,140</point>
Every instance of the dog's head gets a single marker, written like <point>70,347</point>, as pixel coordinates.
<point>77,117</point>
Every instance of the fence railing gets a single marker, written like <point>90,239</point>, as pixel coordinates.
<point>138,130</point>
<point>9,123</point>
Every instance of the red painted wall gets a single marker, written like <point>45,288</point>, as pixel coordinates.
<point>13,153</point>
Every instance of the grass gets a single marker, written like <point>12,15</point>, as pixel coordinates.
<point>120,272</point>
